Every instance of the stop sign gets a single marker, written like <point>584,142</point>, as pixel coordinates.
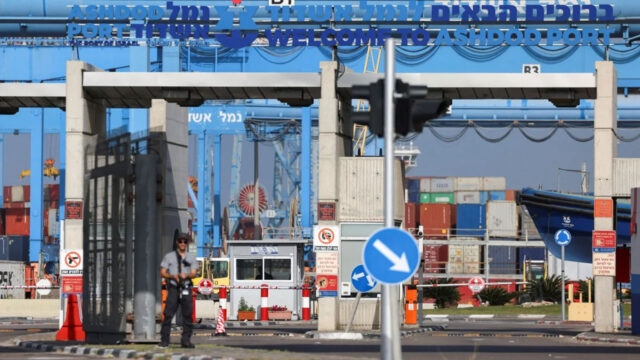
<point>476,284</point>
<point>205,287</point>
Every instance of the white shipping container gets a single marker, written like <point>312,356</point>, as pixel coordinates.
<point>455,268</point>
<point>11,274</point>
<point>442,184</point>
<point>425,185</point>
<point>626,175</point>
<point>467,197</point>
<point>17,193</point>
<point>464,259</point>
<point>502,219</point>
<point>469,184</point>
<point>498,183</point>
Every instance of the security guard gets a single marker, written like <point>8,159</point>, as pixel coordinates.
<point>178,268</point>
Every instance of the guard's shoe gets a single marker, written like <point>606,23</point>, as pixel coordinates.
<point>188,346</point>
<point>163,345</point>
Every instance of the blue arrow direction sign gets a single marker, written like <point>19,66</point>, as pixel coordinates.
<point>562,237</point>
<point>361,280</point>
<point>391,255</point>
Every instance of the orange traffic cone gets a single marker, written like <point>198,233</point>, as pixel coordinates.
<point>72,328</point>
<point>220,330</point>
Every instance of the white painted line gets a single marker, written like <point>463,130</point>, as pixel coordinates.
<point>531,316</point>
<point>482,316</point>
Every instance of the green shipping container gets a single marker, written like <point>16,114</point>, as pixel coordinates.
<point>425,198</point>
<point>442,198</point>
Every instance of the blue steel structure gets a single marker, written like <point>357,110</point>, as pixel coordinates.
<point>30,57</point>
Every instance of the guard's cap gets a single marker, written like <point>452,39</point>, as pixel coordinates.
<point>184,236</point>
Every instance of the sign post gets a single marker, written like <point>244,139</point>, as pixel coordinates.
<point>362,282</point>
<point>563,238</point>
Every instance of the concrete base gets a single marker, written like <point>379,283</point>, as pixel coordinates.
<point>35,308</point>
<point>338,335</point>
<point>206,309</point>
<point>581,312</point>
<point>367,316</point>
<point>328,314</point>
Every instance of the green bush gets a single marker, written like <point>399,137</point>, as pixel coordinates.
<point>243,306</point>
<point>444,296</point>
<point>549,289</point>
<point>496,295</point>
<point>583,289</point>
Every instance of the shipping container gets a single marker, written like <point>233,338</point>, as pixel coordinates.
<point>414,197</point>
<point>435,258</point>
<point>484,197</point>
<point>425,198</point>
<point>411,215</point>
<point>502,219</point>
<point>4,248</point>
<point>467,197</point>
<point>502,260</point>
<point>18,248</point>
<point>3,230</point>
<point>12,274</point>
<point>530,253</point>
<point>529,229</point>
<point>464,259</point>
<point>497,196</point>
<point>413,184</point>
<point>17,194</point>
<point>437,219</point>
<point>510,195</point>
<point>494,183</point>
<point>469,184</point>
<point>443,184</point>
<point>442,198</point>
<point>425,185</point>
<point>470,219</point>
<point>17,221</point>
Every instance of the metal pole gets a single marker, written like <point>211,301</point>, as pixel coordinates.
<point>563,302</point>
<point>420,292</point>
<point>256,193</point>
<point>390,345</point>
<point>353,314</point>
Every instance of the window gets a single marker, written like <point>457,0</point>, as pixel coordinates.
<point>220,269</point>
<point>277,269</point>
<point>248,269</point>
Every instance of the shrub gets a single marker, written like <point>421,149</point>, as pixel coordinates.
<point>244,306</point>
<point>549,289</point>
<point>278,308</point>
<point>444,296</point>
<point>496,295</point>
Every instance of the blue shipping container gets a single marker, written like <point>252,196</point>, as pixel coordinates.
<point>18,248</point>
<point>472,219</point>
<point>414,197</point>
<point>413,185</point>
<point>502,260</point>
<point>530,254</point>
<point>4,248</point>
<point>497,195</point>
<point>484,197</point>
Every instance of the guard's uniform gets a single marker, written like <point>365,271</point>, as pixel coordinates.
<point>178,294</point>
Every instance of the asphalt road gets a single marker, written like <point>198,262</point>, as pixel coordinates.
<point>458,340</point>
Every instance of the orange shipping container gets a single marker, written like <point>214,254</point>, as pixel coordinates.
<point>437,219</point>
<point>17,221</point>
<point>510,195</point>
<point>410,216</point>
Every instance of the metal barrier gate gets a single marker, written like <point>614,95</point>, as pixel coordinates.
<point>109,234</point>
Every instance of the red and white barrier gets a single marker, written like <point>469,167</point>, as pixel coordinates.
<point>264,305</point>
<point>8,287</point>
<point>223,302</point>
<point>467,284</point>
<point>306,310</point>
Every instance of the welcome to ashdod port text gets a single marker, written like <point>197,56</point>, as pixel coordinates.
<point>236,27</point>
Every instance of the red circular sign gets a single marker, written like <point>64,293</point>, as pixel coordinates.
<point>476,284</point>
<point>326,236</point>
<point>205,287</point>
<point>73,259</point>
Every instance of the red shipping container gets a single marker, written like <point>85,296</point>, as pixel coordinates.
<point>435,258</point>
<point>2,222</point>
<point>6,195</point>
<point>437,219</point>
<point>54,192</point>
<point>17,221</point>
<point>410,216</point>
<point>510,195</point>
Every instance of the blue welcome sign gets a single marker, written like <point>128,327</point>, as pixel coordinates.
<point>345,23</point>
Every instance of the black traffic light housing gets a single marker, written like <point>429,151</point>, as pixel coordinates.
<point>412,109</point>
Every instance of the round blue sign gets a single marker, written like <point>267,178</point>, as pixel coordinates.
<point>562,237</point>
<point>391,255</point>
<point>362,280</point>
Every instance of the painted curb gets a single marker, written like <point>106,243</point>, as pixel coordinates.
<point>110,353</point>
<point>583,337</point>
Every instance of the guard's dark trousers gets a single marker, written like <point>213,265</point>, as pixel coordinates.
<point>186,304</point>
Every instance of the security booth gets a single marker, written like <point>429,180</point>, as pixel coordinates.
<point>279,264</point>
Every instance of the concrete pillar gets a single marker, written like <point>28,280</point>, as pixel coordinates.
<point>85,126</point>
<point>171,120</point>
<point>604,151</point>
<point>334,141</point>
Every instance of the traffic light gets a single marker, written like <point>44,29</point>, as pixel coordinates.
<point>412,109</point>
<point>374,118</point>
